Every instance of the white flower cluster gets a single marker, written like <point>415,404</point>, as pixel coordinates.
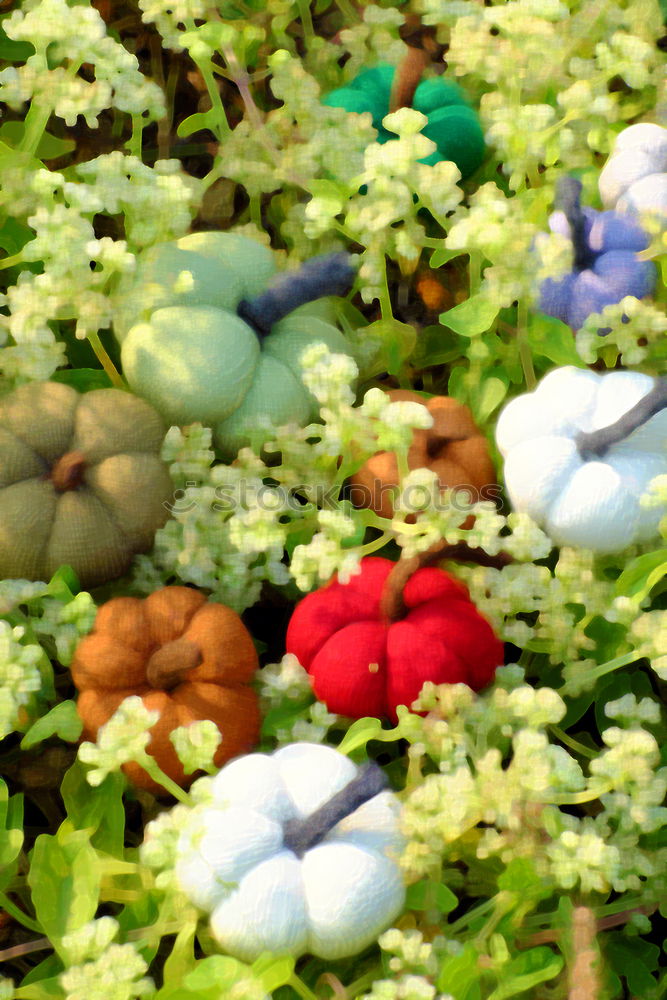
<point>502,231</point>
<point>375,39</point>
<point>634,327</point>
<point>405,988</point>
<point>581,857</point>
<point>74,35</point>
<point>284,681</point>
<point>117,974</point>
<point>649,633</point>
<point>20,676</point>
<point>157,202</point>
<point>410,952</point>
<point>196,744</point>
<point>65,623</point>
<point>123,738</point>
<point>170,16</point>
<point>518,134</point>
<point>471,738</point>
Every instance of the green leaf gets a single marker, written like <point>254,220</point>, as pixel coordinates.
<point>437,346</point>
<point>460,972</point>
<point>553,339</point>
<point>273,972</point>
<point>63,721</point>
<point>521,878</point>
<point>83,379</point>
<point>44,989</point>
<point>65,880</point>
<point>635,960</point>
<point>182,957</point>
<point>216,970</point>
<point>526,971</point>
<point>442,255</point>
<point>472,317</point>
<point>642,574</point>
<point>396,343</point>
<point>11,51</point>
<point>99,810</point>
<point>197,123</point>
<point>64,584</point>
<point>363,730</point>
<point>14,236</point>
<point>492,392</point>
<point>11,833</point>
<point>427,895</point>
<point>50,146</point>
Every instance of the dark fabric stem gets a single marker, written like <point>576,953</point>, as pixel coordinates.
<point>302,834</point>
<point>594,444</point>
<point>568,200</point>
<point>327,274</point>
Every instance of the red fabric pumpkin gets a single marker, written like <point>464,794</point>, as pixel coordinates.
<point>361,664</point>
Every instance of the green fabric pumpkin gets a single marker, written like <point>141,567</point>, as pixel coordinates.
<point>81,481</point>
<point>452,124</point>
<point>187,351</point>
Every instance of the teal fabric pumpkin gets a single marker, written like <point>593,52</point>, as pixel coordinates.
<point>452,124</point>
<point>185,349</point>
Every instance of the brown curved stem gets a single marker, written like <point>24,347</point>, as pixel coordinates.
<point>423,49</point>
<point>392,604</point>
<point>302,834</point>
<point>407,77</point>
<point>597,443</point>
<point>584,980</point>
<point>169,664</point>
<point>436,443</point>
<point>67,472</point>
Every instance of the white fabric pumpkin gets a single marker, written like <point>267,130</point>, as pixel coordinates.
<point>333,901</point>
<point>590,502</point>
<point>634,178</point>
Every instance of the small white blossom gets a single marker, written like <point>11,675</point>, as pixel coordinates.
<point>123,738</point>
<point>196,745</point>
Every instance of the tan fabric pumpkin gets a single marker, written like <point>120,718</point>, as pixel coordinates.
<point>188,658</point>
<point>81,481</point>
<point>454,448</point>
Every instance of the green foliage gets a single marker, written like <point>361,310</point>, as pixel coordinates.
<point>540,797</point>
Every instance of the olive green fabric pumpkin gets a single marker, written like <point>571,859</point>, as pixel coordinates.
<point>187,351</point>
<point>81,481</point>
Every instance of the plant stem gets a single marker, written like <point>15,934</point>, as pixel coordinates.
<point>134,143</point>
<point>524,347</point>
<point>573,744</point>
<point>222,128</point>
<point>604,668</point>
<point>306,19</point>
<point>19,915</point>
<point>35,125</point>
<point>27,948</point>
<point>583,976</point>
<point>350,14</point>
<point>385,300</point>
<point>474,271</point>
<point>377,543</point>
<point>300,987</point>
<point>106,362</point>
<point>302,834</point>
<point>16,258</point>
<point>597,443</point>
<point>151,766</point>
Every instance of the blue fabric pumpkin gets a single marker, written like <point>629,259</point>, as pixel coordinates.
<point>606,267</point>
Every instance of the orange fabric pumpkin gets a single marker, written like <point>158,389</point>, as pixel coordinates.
<point>186,657</point>
<point>454,448</point>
